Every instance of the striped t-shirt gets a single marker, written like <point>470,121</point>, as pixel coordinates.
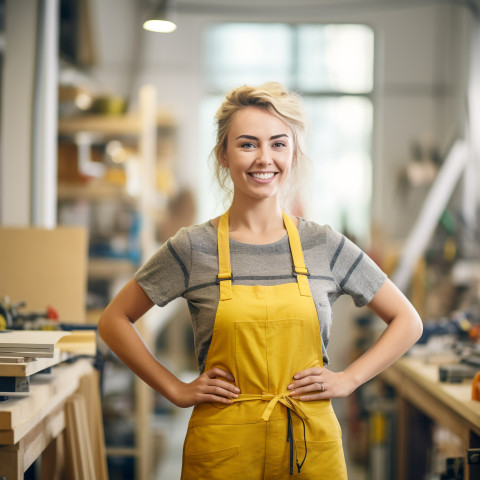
<point>187,266</point>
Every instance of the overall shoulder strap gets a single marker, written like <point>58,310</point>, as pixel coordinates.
<point>224,277</point>
<point>299,269</point>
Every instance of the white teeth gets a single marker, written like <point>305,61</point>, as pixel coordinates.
<point>263,176</point>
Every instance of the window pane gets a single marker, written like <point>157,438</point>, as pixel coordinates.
<point>239,53</point>
<point>335,58</point>
<point>313,60</point>
<point>339,147</point>
<point>209,195</point>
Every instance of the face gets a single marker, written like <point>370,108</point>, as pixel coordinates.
<point>259,153</point>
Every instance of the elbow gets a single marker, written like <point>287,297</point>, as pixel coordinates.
<point>102,327</point>
<point>417,328</point>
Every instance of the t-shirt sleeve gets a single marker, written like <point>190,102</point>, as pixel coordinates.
<point>353,270</point>
<point>164,276</point>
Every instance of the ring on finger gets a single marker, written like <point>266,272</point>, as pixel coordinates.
<point>322,387</point>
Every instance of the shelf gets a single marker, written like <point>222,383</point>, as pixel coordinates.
<point>122,452</point>
<point>110,268</point>
<point>109,125</point>
<point>149,137</point>
<point>94,191</point>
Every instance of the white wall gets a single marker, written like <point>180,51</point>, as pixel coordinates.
<point>17,113</point>
<point>421,67</point>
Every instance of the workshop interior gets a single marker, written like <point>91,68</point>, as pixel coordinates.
<point>106,130</point>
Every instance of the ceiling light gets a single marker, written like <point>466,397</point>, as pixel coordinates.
<point>160,19</point>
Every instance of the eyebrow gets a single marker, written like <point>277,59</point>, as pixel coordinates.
<point>251,137</point>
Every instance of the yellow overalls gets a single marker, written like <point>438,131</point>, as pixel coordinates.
<point>263,335</point>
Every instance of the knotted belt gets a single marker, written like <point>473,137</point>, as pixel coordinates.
<point>292,405</point>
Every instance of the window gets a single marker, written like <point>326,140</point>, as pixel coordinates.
<point>331,66</point>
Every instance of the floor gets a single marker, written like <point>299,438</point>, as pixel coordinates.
<point>172,430</point>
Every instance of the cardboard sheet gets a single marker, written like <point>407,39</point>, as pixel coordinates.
<point>46,267</point>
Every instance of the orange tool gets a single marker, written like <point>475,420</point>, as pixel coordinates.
<point>476,387</point>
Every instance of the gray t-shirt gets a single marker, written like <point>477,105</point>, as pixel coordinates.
<point>187,266</point>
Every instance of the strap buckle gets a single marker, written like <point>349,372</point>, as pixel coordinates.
<point>222,279</point>
<point>295,273</point>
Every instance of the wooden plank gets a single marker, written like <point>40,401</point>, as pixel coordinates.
<point>11,461</point>
<point>29,367</point>
<point>52,465</point>
<point>82,342</point>
<point>12,360</point>
<point>41,436</point>
<point>27,353</point>
<point>90,389</point>
<point>41,339</point>
<point>79,448</point>
<point>19,416</point>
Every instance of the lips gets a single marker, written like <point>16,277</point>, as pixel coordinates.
<point>262,175</point>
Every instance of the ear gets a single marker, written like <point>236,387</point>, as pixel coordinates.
<point>224,160</point>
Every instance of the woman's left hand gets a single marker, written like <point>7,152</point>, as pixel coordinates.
<point>319,383</point>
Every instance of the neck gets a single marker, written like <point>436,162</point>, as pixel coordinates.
<point>256,217</point>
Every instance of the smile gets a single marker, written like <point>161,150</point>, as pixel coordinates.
<point>263,176</point>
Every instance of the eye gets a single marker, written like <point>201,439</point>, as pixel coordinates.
<point>247,145</point>
<point>279,145</point>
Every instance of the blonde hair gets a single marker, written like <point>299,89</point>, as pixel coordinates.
<point>273,97</point>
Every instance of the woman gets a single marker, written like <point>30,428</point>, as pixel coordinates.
<point>260,284</point>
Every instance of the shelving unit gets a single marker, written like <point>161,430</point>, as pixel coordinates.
<point>149,137</point>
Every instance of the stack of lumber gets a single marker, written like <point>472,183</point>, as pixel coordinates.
<point>26,352</point>
<point>29,343</point>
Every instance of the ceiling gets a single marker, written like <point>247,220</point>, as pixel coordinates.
<point>285,6</point>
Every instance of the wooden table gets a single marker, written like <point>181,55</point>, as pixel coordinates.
<point>422,398</point>
<point>63,406</point>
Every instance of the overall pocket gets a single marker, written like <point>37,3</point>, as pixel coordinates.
<point>267,354</point>
<point>216,465</point>
<point>325,458</point>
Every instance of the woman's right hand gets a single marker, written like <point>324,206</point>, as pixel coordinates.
<point>206,388</point>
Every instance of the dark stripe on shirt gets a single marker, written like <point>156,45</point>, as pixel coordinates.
<point>337,253</point>
<point>252,277</point>
<point>261,277</point>
<point>198,287</point>
<point>180,263</point>
<point>352,268</point>
<point>320,277</point>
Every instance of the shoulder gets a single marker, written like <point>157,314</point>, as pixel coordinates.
<point>193,233</point>
<point>199,237</point>
<point>310,231</point>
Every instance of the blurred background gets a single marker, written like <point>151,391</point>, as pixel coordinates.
<point>108,126</point>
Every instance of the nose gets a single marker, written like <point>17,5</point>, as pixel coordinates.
<point>264,156</point>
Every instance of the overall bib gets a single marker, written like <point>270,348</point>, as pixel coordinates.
<point>263,335</point>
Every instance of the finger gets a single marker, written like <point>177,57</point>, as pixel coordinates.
<point>314,396</point>
<point>313,387</point>
<point>215,399</point>
<point>304,381</point>
<point>218,372</point>
<point>220,392</point>
<point>225,385</point>
<point>307,372</point>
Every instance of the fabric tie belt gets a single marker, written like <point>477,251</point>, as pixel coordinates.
<point>292,405</point>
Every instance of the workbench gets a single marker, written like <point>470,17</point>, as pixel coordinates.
<point>58,420</point>
<point>423,399</point>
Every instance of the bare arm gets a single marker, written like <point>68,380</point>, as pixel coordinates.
<point>117,329</point>
<point>404,328</point>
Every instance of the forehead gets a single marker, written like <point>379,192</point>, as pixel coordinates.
<point>251,120</point>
